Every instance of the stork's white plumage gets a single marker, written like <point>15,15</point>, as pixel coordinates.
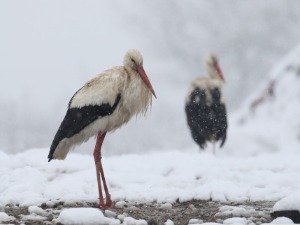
<point>102,105</point>
<point>205,107</point>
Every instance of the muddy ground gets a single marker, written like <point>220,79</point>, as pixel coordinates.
<point>154,213</point>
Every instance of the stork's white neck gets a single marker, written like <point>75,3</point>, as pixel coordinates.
<point>137,97</point>
<point>212,72</point>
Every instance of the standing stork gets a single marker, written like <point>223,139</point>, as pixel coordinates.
<point>104,104</point>
<point>205,108</point>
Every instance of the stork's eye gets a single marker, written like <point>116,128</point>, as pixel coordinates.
<point>132,60</point>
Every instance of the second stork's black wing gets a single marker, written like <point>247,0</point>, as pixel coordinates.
<point>218,109</point>
<point>198,118</point>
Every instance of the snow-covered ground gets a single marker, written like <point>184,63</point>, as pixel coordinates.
<point>260,161</point>
<point>27,179</point>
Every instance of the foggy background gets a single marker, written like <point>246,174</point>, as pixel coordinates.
<point>49,49</point>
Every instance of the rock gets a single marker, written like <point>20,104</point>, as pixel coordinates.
<point>192,207</point>
<point>44,205</point>
<point>132,208</point>
<point>141,222</point>
<point>121,218</point>
<point>37,210</point>
<point>294,215</point>
<point>195,221</point>
<point>121,204</point>
<point>49,204</point>
<point>152,222</point>
<point>166,206</point>
<point>169,222</point>
<point>282,220</point>
<point>110,214</point>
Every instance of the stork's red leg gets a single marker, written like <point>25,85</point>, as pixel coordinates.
<point>108,200</point>
<point>100,173</point>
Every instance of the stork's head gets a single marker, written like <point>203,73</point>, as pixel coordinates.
<point>133,60</point>
<point>212,66</point>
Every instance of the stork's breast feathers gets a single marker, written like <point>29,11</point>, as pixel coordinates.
<point>207,83</point>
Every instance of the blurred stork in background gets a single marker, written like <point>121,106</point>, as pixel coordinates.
<point>205,107</point>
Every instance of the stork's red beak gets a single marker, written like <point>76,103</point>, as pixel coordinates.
<point>219,71</point>
<point>145,78</point>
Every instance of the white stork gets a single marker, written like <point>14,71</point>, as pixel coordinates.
<point>205,108</point>
<point>104,104</point>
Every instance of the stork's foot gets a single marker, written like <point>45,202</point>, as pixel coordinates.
<point>105,205</point>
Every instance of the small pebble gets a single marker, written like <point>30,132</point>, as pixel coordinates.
<point>282,220</point>
<point>166,206</point>
<point>121,204</point>
<point>192,207</point>
<point>121,218</point>
<point>262,219</point>
<point>141,222</point>
<point>44,205</point>
<point>110,214</point>
<point>50,217</point>
<point>115,222</point>
<point>169,222</point>
<point>253,219</point>
<point>195,221</point>
<point>50,204</point>
<point>152,222</point>
<point>37,210</point>
<point>219,220</point>
<point>132,208</point>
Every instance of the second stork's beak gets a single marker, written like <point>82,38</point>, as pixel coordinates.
<point>219,71</point>
<point>145,78</point>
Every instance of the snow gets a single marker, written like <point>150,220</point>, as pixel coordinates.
<point>236,220</point>
<point>290,202</point>
<point>33,217</point>
<point>132,221</point>
<point>282,220</point>
<point>27,180</point>
<point>169,222</point>
<point>236,211</point>
<point>89,216</point>
<point>5,218</point>
<point>37,210</point>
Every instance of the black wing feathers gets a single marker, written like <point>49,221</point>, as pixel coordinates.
<point>197,116</point>
<point>220,117</point>
<point>76,119</point>
<point>206,120</point>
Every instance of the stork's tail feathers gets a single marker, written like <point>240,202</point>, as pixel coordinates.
<point>71,131</point>
<point>223,141</point>
<point>60,151</point>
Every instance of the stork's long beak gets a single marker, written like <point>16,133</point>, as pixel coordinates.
<point>145,78</point>
<point>219,71</point>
